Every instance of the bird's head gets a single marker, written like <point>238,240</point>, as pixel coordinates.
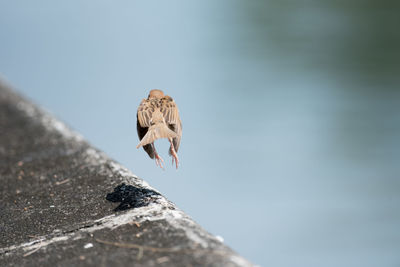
<point>155,93</point>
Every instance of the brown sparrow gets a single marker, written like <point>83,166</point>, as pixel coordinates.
<point>158,117</point>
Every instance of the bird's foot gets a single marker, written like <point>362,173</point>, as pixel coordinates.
<point>159,161</point>
<point>173,153</point>
<point>175,158</point>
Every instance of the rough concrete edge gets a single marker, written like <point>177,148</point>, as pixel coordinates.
<point>161,210</point>
<point>34,111</point>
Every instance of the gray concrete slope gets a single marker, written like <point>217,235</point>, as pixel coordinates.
<point>54,209</point>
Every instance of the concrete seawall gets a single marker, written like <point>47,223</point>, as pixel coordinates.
<point>65,203</point>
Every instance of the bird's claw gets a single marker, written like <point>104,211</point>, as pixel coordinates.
<point>159,161</point>
<point>176,160</point>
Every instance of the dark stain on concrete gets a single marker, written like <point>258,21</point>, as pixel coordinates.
<point>131,196</point>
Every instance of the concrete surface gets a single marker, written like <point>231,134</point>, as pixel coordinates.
<point>55,208</point>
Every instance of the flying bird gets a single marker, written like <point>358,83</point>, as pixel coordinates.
<point>158,117</point>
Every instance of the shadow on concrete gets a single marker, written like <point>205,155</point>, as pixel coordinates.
<point>131,196</point>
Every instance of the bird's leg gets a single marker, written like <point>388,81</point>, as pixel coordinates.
<point>159,160</point>
<point>173,154</point>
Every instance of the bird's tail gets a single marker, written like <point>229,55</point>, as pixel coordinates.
<point>155,132</point>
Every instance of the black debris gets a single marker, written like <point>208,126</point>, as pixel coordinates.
<point>131,196</point>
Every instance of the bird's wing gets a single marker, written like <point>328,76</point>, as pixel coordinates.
<point>170,112</point>
<point>144,113</point>
<point>143,122</point>
<point>141,133</point>
<point>176,140</point>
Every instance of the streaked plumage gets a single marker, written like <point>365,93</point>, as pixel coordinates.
<point>158,117</point>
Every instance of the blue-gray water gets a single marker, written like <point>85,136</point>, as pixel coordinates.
<point>290,110</point>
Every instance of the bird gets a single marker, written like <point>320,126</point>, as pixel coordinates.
<point>158,117</point>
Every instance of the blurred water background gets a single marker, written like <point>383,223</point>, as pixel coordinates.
<point>290,110</point>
